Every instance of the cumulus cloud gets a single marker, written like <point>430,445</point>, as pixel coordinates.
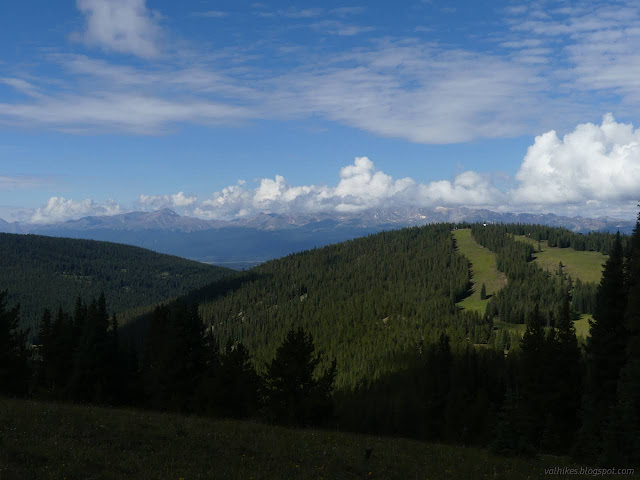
<point>361,187</point>
<point>125,26</point>
<point>593,170</point>
<point>591,163</point>
<point>59,209</point>
<point>156,202</point>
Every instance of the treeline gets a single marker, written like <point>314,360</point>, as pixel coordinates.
<point>562,238</point>
<point>44,272</point>
<point>81,357</point>
<point>528,286</point>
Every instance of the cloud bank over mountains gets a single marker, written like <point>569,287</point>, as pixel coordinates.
<point>593,170</point>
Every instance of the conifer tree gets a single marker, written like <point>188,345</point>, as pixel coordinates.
<point>606,353</point>
<point>294,395</point>
<point>238,382</point>
<point>14,370</point>
<point>534,376</point>
<point>622,431</point>
<point>564,361</point>
<point>483,292</point>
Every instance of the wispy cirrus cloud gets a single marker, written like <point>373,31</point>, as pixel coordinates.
<point>544,70</point>
<point>210,14</point>
<point>12,182</point>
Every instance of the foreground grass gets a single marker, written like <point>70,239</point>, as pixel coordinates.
<point>483,267</point>
<point>58,441</point>
<point>586,266</point>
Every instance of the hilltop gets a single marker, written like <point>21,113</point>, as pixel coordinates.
<point>246,241</point>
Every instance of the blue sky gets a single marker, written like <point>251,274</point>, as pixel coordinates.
<point>222,109</point>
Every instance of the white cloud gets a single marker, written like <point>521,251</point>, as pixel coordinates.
<point>592,171</point>
<point>210,14</point>
<point>137,113</point>
<point>419,92</point>
<point>342,29</point>
<point>156,202</point>
<point>22,85</point>
<point>59,209</point>
<point>361,187</point>
<point>125,26</point>
<point>21,181</point>
<point>591,163</point>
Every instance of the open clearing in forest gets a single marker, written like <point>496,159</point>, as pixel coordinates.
<point>582,325</point>
<point>586,266</point>
<point>483,269</point>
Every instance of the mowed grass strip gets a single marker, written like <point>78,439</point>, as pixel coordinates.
<point>586,266</point>
<point>483,267</point>
<point>41,440</point>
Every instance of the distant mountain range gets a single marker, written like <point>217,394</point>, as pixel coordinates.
<point>247,241</point>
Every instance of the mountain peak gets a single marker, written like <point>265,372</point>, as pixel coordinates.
<point>167,212</point>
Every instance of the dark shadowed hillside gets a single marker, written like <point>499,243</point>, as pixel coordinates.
<point>45,272</point>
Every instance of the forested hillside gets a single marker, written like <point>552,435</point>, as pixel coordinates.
<point>367,302</point>
<point>45,272</point>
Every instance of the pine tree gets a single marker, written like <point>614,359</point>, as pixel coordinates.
<point>534,376</point>
<point>564,363</point>
<point>509,433</point>
<point>175,357</point>
<point>294,395</point>
<point>14,369</point>
<point>239,383</point>
<point>622,431</point>
<point>606,355</point>
<point>483,292</point>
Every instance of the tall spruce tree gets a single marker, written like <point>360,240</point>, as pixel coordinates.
<point>564,361</point>
<point>534,376</point>
<point>294,394</point>
<point>14,369</point>
<point>622,431</point>
<point>606,353</point>
<point>239,383</point>
<point>175,357</point>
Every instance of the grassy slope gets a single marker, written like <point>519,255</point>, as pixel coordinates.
<point>46,440</point>
<point>582,326</point>
<point>587,266</point>
<point>483,266</point>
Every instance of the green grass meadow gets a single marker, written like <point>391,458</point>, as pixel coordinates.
<point>483,267</point>
<point>586,266</point>
<point>582,325</point>
<point>41,440</point>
